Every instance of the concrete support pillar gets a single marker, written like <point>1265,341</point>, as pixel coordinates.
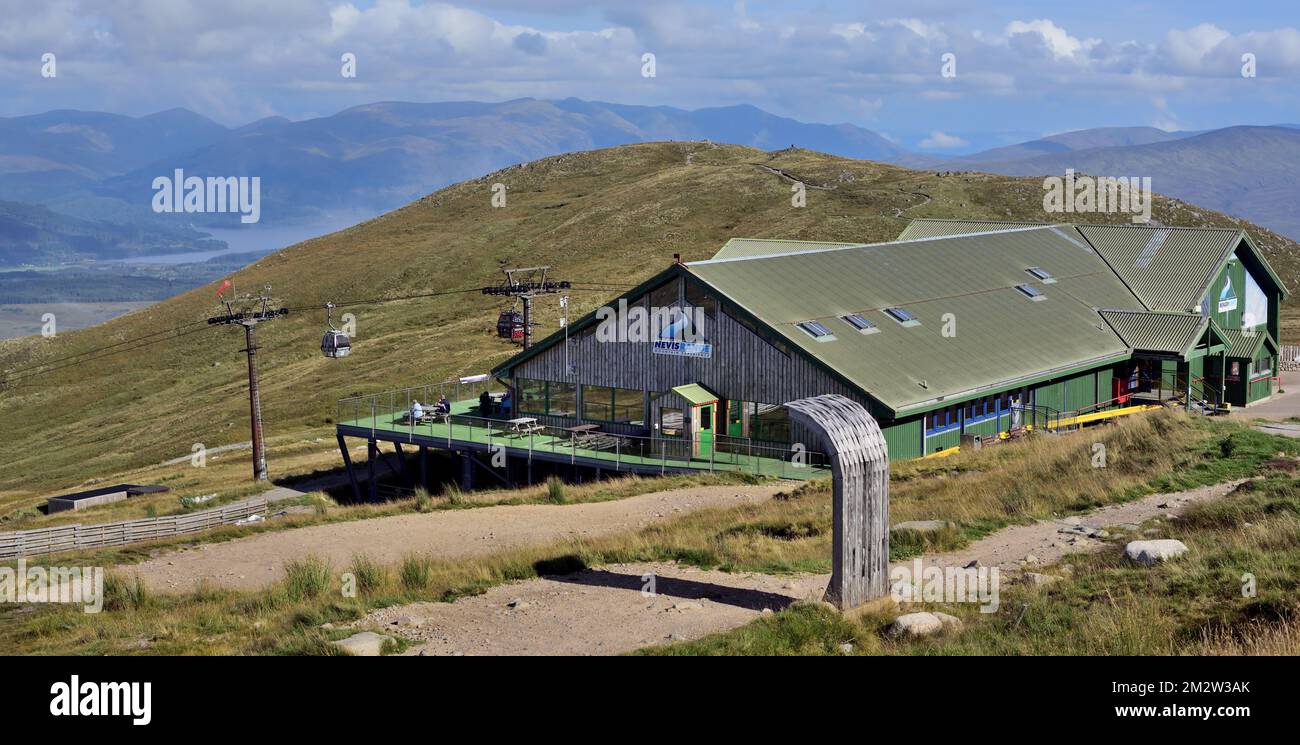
<point>424,467</point>
<point>372,455</point>
<point>467,470</point>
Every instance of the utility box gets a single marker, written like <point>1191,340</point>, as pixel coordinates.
<point>972,442</point>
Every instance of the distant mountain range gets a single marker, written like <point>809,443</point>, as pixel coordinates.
<point>367,159</point>
<point>1249,172</point>
<point>363,161</point>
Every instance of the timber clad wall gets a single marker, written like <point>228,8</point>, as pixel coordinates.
<point>743,367</point>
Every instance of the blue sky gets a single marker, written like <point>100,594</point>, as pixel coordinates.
<point>1023,69</point>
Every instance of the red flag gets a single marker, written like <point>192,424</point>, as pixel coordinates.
<point>225,285</point>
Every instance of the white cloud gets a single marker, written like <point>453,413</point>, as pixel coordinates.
<point>1053,37</point>
<point>942,141</point>
<point>143,55</point>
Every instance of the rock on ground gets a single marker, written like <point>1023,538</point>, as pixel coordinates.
<point>364,644</point>
<point>1150,553</point>
<point>916,624</point>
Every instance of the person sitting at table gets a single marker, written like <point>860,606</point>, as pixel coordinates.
<point>444,406</point>
<point>417,411</point>
<point>505,403</point>
<point>485,404</point>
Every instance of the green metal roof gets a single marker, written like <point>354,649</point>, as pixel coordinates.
<point>696,394</point>
<point>1150,331</point>
<point>1167,268</point>
<point>1000,335</point>
<point>737,247</point>
<point>1247,346</point>
<point>936,228</point>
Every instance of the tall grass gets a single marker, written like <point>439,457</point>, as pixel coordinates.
<point>453,493</point>
<point>555,490</point>
<point>306,579</point>
<point>422,502</point>
<point>369,576</point>
<point>415,572</point>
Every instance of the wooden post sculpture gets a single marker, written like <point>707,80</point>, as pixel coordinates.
<point>860,473</point>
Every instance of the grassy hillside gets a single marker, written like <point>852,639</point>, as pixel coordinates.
<point>614,215</point>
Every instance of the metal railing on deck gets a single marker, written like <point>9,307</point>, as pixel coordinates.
<point>389,412</point>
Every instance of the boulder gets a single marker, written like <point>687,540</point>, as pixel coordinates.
<point>1037,579</point>
<point>952,623</point>
<point>1150,553</point>
<point>364,644</point>
<point>916,624</point>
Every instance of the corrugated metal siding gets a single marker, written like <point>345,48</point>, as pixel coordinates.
<point>1105,384</point>
<point>1081,391</point>
<point>904,439</point>
<point>1167,268</point>
<point>1051,395</point>
<point>1157,332</point>
<point>942,441</point>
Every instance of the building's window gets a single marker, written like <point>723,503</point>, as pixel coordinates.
<point>816,330</point>
<point>629,406</point>
<point>603,404</point>
<point>1031,292</point>
<point>1040,273</point>
<point>861,324</point>
<point>597,403</point>
<point>902,315</point>
<point>671,422</point>
<point>532,396</point>
<point>563,399</point>
<point>696,297</point>
<point>769,422</point>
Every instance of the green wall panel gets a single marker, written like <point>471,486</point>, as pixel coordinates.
<point>903,439</point>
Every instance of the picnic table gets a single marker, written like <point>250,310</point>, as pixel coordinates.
<point>524,425</point>
<point>428,416</point>
<point>581,429</point>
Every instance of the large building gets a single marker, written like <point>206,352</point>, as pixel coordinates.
<point>955,328</point>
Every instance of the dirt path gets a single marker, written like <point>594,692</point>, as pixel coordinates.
<point>257,561</point>
<point>605,611</point>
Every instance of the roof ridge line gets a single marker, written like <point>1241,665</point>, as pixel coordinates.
<point>1022,229</point>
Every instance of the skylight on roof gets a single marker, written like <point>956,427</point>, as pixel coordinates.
<point>1033,293</point>
<point>902,315</point>
<point>861,324</point>
<point>816,330</point>
<point>1040,273</point>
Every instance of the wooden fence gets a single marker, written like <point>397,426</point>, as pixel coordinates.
<point>77,537</point>
<point>1289,359</point>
